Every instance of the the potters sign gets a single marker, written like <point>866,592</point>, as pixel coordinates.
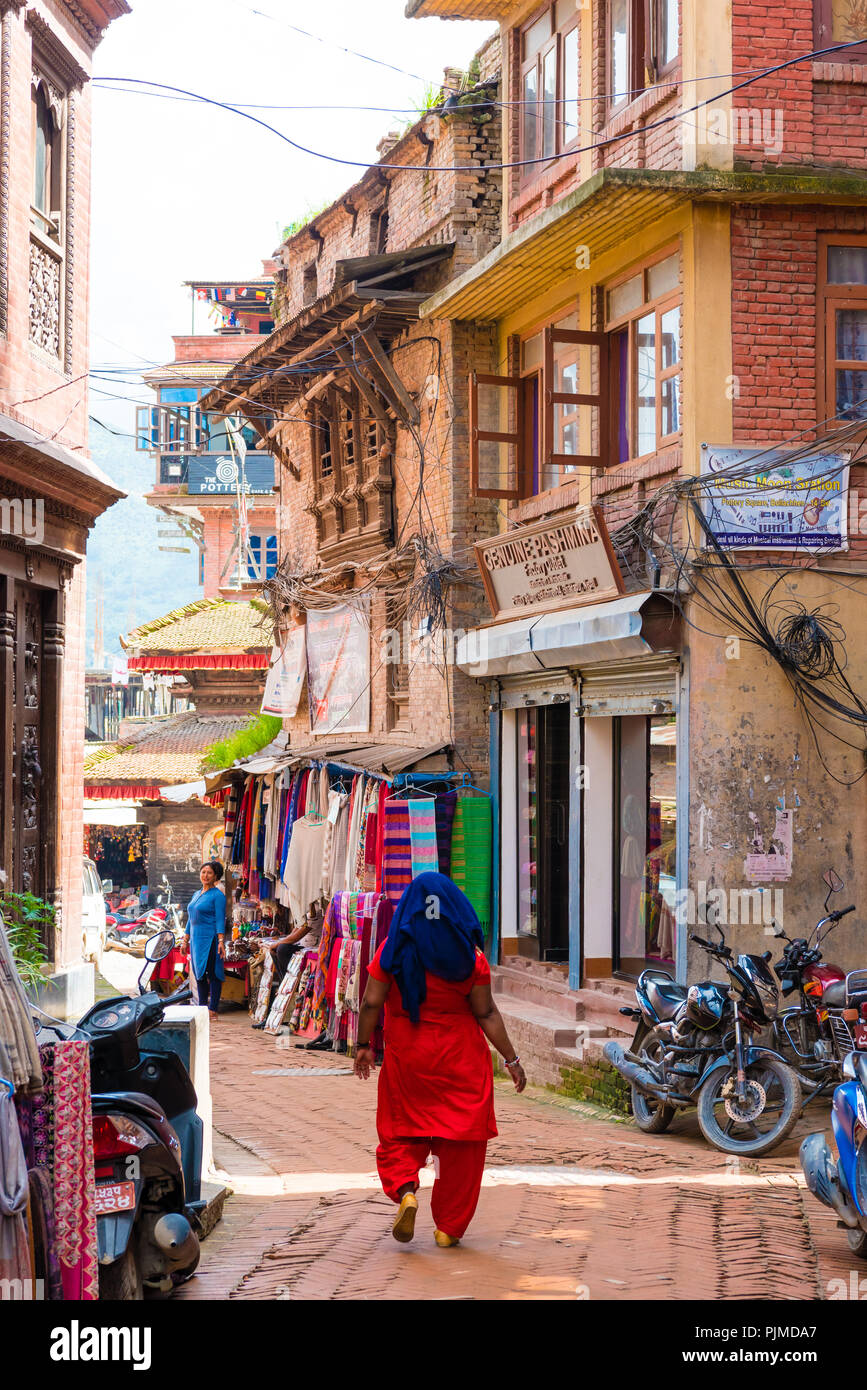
<point>556,563</point>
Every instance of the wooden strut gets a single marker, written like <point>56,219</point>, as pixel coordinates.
<point>365,387</point>
<point>410,412</point>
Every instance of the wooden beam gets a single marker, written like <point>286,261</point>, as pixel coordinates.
<point>383,362</point>
<point>364,386</point>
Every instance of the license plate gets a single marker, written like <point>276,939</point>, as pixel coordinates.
<point>112,1197</point>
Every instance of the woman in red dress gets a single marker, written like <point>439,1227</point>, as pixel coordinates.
<point>436,1089</point>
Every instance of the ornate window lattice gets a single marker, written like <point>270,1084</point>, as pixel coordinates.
<point>45,295</point>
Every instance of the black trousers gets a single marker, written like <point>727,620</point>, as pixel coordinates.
<point>209,987</point>
<point>282,956</point>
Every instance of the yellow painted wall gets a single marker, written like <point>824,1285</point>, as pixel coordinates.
<point>707,52</point>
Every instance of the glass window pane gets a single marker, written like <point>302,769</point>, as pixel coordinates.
<point>670,405</point>
<point>668,35</point>
<point>497,413</point>
<point>645,369</point>
<point>852,335</point>
<point>848,21</point>
<point>663,277</point>
<point>549,97</point>
<point>661,884</point>
<point>847,265</point>
<point>537,34</point>
<point>626,297</point>
<point>531,92</point>
<point>631,843</point>
<point>570,87</point>
<point>851,401</point>
<point>618,58</point>
<point>532,353</point>
<point>669,345</point>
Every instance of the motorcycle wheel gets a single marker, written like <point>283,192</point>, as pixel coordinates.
<point>652,1116</point>
<point>857,1241</point>
<point>781,1108</point>
<point>121,1282</point>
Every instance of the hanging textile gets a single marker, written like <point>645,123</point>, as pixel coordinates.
<point>44,1233</point>
<point>471,853</point>
<point>283,997</point>
<point>260,1012</point>
<point>19,1054</point>
<point>338,848</point>
<point>397,849</point>
<point>14,1246</point>
<point>303,876</point>
<point>423,836</point>
<point>444,813</point>
<point>231,807</point>
<point>63,1141</point>
<point>354,832</point>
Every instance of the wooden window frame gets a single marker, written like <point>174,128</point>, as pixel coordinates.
<point>653,29</point>
<point>514,437</point>
<point>823,36</point>
<point>636,58</point>
<point>830,297</point>
<point>323,414</point>
<point>554,44</point>
<point>672,299</point>
<point>594,399</point>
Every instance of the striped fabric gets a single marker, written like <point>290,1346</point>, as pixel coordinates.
<point>444,813</point>
<point>423,836</point>
<point>397,849</point>
<point>471,853</point>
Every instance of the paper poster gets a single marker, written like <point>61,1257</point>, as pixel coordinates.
<point>338,670</point>
<point>770,501</point>
<point>286,675</point>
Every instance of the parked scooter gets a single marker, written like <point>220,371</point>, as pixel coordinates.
<point>689,1049</point>
<point>841,1185</point>
<point>830,1019</point>
<point>147,1142</point>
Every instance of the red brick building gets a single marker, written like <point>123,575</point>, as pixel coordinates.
<point>366,410</point>
<point>50,492</point>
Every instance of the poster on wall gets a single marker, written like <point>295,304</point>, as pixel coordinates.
<point>338,670</point>
<point>286,675</point>
<point>764,499</point>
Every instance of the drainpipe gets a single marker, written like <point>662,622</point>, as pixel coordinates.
<point>682,814</point>
<point>495,742</point>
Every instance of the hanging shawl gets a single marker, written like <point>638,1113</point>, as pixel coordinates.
<point>14,1250</point>
<point>435,929</point>
<point>19,1054</point>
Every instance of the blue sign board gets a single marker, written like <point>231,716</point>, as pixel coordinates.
<point>217,474</point>
<point>757,498</point>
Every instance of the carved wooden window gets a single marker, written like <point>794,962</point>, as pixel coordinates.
<point>324,435</point>
<point>352,480</point>
<point>47,231</point>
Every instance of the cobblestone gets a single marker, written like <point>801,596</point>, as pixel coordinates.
<point>575,1204</point>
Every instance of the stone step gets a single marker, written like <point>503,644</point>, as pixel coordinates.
<point>623,989</point>
<point>519,984</point>
<point>539,1024</point>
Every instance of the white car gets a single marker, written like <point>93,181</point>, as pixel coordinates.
<point>92,912</point>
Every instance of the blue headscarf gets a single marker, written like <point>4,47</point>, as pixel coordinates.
<point>434,928</point>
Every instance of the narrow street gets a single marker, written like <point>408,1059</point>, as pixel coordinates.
<point>573,1205</point>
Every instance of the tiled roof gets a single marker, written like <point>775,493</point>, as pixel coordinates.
<point>162,751</point>
<point>208,625</point>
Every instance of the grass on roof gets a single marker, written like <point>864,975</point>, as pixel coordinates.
<point>243,744</point>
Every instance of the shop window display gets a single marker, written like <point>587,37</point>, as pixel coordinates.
<point>645,842</point>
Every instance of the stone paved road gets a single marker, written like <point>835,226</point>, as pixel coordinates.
<point>574,1205</point>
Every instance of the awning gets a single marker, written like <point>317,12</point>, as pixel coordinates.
<point>572,637</point>
<point>201,661</point>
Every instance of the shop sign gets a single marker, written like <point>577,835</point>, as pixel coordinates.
<point>286,675</point>
<point>556,563</point>
<point>219,476</point>
<point>771,501</point>
<point>338,670</point>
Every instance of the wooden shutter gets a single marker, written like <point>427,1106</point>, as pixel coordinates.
<point>512,437</point>
<point>598,399</point>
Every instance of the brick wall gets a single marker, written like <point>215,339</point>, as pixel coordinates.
<point>175,846</point>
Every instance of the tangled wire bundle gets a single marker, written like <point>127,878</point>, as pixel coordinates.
<point>806,643</point>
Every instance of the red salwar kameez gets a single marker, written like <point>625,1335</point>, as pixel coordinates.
<point>436,1094</point>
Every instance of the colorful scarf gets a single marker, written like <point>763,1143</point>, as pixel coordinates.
<point>397,849</point>
<point>444,813</point>
<point>63,1141</point>
<point>423,836</point>
<point>471,853</point>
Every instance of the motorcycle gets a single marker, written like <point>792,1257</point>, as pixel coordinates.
<point>126,929</point>
<point>842,1186</point>
<point>690,1049</point>
<point>147,1142</point>
<point>830,1019</point>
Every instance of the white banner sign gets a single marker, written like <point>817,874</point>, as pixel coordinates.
<point>286,675</point>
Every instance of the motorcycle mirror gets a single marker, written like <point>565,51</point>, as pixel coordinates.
<point>833,881</point>
<point>159,946</point>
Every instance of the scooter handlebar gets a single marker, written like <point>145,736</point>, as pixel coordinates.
<point>843,912</point>
<point>179,996</point>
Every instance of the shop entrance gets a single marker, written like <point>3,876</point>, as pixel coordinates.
<point>645,843</point>
<point>543,830</point>
<point>120,853</point>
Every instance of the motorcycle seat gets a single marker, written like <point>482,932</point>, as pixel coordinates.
<point>665,997</point>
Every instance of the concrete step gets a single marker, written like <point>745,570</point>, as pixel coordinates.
<point>549,993</point>
<point>623,989</point>
<point>604,1009</point>
<point>538,1023</point>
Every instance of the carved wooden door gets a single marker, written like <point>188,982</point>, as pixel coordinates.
<point>28,839</point>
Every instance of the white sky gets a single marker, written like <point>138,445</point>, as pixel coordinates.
<point>182,190</point>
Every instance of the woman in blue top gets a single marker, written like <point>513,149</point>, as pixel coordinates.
<point>206,929</point>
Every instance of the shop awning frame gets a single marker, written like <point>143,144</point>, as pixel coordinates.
<point>569,638</point>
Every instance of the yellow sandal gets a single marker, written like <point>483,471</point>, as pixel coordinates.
<point>404,1223</point>
<point>444,1241</point>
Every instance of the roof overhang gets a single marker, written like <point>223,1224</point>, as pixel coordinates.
<point>461,9</point>
<point>568,639</point>
<point>49,469</point>
<point>363,298</point>
<point>602,214</point>
<point>166,662</point>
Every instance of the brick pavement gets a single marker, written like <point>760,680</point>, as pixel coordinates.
<point>574,1205</point>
